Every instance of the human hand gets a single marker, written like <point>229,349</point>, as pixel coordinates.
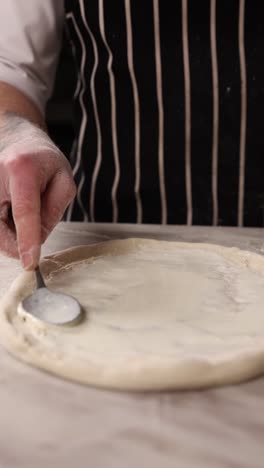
<point>36,183</point>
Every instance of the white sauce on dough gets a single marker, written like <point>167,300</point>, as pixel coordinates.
<point>157,315</point>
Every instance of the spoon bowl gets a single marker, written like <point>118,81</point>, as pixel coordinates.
<point>51,307</point>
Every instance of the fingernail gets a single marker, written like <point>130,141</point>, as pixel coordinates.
<point>27,260</point>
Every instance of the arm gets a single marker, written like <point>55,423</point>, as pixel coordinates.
<point>30,41</point>
<point>35,178</point>
<point>12,100</point>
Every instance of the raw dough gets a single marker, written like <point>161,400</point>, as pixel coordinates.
<point>159,315</point>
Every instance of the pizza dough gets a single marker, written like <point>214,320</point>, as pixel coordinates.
<point>158,315</point>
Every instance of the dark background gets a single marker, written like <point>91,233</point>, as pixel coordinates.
<point>60,105</point>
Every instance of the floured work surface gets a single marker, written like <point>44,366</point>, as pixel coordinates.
<point>158,315</point>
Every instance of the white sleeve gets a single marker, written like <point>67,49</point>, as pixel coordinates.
<point>30,42</point>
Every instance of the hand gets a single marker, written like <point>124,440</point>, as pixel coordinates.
<point>36,183</point>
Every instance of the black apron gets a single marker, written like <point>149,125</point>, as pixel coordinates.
<point>168,111</point>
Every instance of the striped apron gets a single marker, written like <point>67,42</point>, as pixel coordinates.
<point>168,103</point>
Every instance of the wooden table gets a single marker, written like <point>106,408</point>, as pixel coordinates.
<point>46,422</point>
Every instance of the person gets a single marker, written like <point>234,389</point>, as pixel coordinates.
<point>168,106</point>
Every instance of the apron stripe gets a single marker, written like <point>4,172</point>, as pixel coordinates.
<point>229,110</point>
<point>160,113</point>
<point>130,53</point>
<point>78,196</point>
<point>215,112</point>
<point>96,114</point>
<point>78,164</point>
<point>243,123</point>
<point>145,71</point>
<point>113,113</point>
<point>187,86</point>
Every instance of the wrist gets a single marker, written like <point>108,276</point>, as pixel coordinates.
<point>18,134</point>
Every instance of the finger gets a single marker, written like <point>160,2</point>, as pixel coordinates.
<point>25,198</point>
<point>8,243</point>
<point>58,195</point>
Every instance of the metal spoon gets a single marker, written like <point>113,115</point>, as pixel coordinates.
<point>51,307</point>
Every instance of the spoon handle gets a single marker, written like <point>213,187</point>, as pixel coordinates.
<point>39,278</point>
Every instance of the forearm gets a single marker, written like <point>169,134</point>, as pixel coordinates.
<point>14,101</point>
<point>35,178</point>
